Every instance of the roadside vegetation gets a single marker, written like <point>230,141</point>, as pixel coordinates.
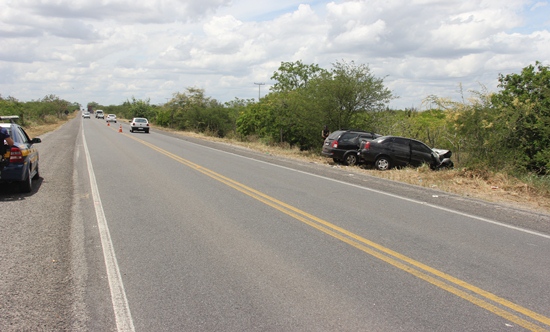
<point>500,140</point>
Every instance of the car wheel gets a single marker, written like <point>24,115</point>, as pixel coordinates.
<point>25,186</point>
<point>147,131</point>
<point>350,159</point>
<point>382,163</point>
<point>131,130</point>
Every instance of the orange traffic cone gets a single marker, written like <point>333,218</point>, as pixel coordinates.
<point>120,129</point>
<point>108,124</point>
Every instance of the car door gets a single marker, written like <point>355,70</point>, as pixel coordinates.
<point>400,151</point>
<point>27,145</point>
<point>420,154</point>
<point>348,141</point>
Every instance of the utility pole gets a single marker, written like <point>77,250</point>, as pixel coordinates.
<point>259,87</point>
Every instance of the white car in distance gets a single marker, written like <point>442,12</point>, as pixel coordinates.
<point>139,124</point>
<point>111,118</point>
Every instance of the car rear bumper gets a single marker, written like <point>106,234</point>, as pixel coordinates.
<point>13,172</point>
<point>366,157</point>
<point>329,154</point>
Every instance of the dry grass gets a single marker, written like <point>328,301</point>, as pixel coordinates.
<point>493,187</point>
<point>38,130</point>
<point>49,124</point>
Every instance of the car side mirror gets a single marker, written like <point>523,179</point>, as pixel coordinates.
<point>36,140</point>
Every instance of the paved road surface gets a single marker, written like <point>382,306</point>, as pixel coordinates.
<point>153,232</point>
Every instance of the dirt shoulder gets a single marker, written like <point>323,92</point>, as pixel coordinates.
<point>490,187</point>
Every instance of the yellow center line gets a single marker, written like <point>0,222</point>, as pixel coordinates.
<point>387,255</point>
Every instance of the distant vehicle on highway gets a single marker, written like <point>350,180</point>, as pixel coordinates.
<point>18,164</point>
<point>86,115</point>
<point>111,118</point>
<point>99,114</point>
<point>139,124</point>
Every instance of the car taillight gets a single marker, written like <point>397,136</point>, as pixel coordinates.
<point>16,156</point>
<point>367,145</point>
<point>133,123</point>
<point>335,144</point>
<point>147,125</point>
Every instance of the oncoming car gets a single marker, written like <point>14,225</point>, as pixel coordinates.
<point>18,164</point>
<point>86,115</point>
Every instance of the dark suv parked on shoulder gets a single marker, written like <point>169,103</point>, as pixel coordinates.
<point>343,145</point>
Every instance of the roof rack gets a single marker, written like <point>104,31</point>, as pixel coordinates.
<point>12,118</point>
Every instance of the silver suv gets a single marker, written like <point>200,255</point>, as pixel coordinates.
<point>139,124</point>
<point>99,114</point>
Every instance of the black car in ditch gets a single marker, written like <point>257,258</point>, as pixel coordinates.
<point>391,151</point>
<point>342,145</point>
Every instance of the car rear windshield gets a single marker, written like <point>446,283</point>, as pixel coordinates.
<point>141,120</point>
<point>335,134</point>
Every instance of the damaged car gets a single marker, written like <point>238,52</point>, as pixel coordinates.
<point>392,151</point>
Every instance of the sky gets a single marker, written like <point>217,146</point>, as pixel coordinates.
<point>111,51</point>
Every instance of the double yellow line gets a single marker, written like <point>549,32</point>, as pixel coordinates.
<point>460,288</point>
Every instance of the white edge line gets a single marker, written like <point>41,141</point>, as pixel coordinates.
<point>494,222</point>
<point>121,308</point>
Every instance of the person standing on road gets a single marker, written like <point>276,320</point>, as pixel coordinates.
<point>325,132</point>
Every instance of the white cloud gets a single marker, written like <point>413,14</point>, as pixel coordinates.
<point>111,50</point>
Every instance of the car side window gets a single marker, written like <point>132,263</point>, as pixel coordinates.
<point>334,135</point>
<point>348,137</point>
<point>417,146</point>
<point>401,141</point>
<point>15,134</point>
<point>23,135</point>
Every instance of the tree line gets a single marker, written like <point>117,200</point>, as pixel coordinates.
<point>507,130</point>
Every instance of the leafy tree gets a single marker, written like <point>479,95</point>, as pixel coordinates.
<point>468,128</point>
<point>524,111</point>
<point>234,108</point>
<point>120,110</point>
<point>192,110</point>
<point>348,90</point>
<point>256,119</point>
<point>140,108</point>
<point>10,106</point>
<point>307,97</point>
<point>294,75</point>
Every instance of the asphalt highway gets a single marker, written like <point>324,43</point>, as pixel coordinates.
<point>158,232</point>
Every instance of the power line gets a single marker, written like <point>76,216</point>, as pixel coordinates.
<point>259,87</point>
